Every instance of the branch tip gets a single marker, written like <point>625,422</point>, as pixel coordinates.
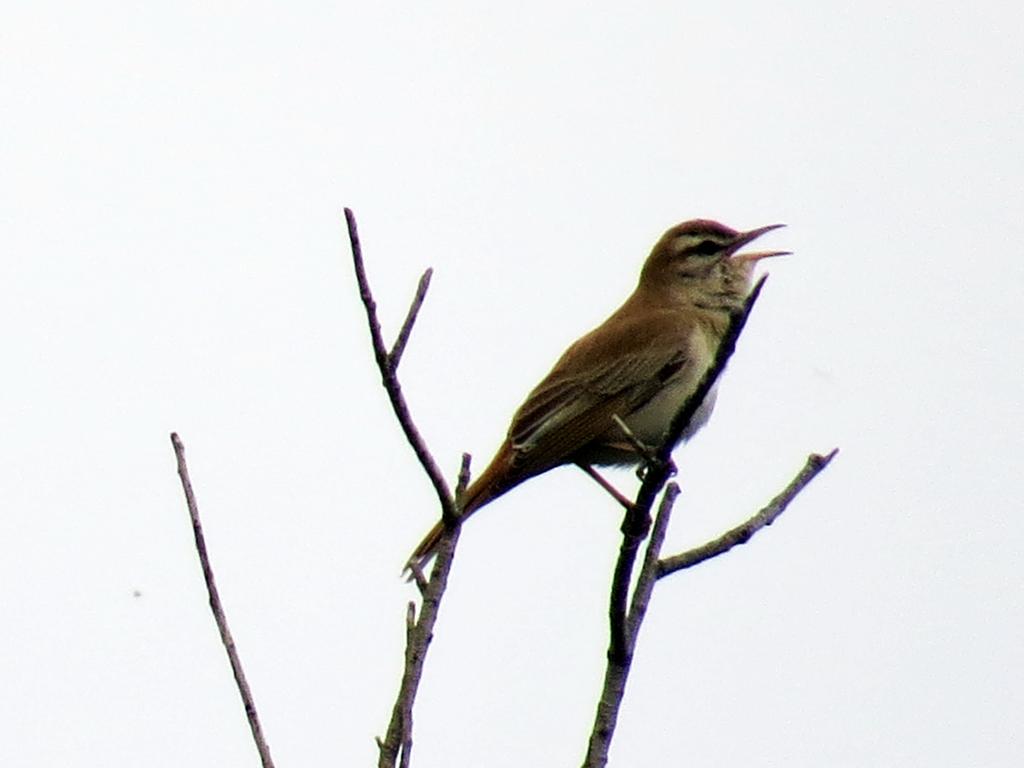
<point>217,608</point>
<point>463,479</point>
<point>821,461</point>
<point>395,355</point>
<point>743,532</point>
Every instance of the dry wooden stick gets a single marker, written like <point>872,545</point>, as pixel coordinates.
<point>396,746</point>
<point>741,533</point>
<point>218,609</point>
<point>387,366</point>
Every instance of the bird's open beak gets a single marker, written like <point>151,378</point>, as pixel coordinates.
<point>750,236</point>
<point>758,255</point>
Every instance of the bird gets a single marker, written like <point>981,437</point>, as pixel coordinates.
<point>640,366</point>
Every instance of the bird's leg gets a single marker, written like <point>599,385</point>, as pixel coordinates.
<point>611,489</point>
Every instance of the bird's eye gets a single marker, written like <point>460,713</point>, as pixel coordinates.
<point>706,248</point>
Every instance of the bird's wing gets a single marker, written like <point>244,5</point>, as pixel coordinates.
<point>614,370</point>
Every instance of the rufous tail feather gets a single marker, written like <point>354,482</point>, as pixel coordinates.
<point>481,492</point>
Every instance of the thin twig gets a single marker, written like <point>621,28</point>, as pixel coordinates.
<point>742,533</point>
<point>390,380</point>
<point>395,355</point>
<point>396,746</point>
<point>462,482</point>
<point>617,670</point>
<point>621,578</point>
<point>397,742</point>
<point>218,609</point>
<point>649,570</point>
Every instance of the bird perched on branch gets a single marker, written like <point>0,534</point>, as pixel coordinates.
<point>638,367</point>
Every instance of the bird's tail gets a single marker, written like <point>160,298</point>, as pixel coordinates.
<point>481,492</point>
<point>426,548</point>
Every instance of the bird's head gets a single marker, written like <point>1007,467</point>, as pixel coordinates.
<point>699,262</point>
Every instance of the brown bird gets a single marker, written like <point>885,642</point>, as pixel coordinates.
<point>641,364</point>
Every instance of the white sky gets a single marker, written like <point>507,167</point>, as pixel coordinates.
<point>175,259</point>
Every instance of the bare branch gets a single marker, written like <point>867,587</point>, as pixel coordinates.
<point>390,380</point>
<point>618,646</point>
<point>395,356</point>
<point>742,533</point>
<point>396,746</point>
<point>397,742</point>
<point>649,570</point>
<point>218,609</point>
<point>617,669</point>
<point>625,634</point>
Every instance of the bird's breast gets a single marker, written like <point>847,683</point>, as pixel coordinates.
<point>650,421</point>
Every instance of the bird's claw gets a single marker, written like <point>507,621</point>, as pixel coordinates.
<point>651,461</point>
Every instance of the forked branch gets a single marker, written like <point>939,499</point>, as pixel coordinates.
<point>387,364</point>
<point>624,625</point>
<point>396,746</point>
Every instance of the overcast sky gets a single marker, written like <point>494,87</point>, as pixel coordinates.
<point>172,179</point>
